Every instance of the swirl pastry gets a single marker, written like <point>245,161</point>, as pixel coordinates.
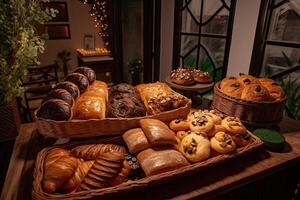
<point>255,92</point>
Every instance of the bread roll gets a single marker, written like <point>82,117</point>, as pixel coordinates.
<point>79,80</point>
<point>159,160</point>
<point>100,87</point>
<point>255,92</point>
<point>157,132</point>
<point>70,87</point>
<point>55,109</point>
<point>90,105</point>
<point>60,94</point>
<point>136,140</point>
<point>88,72</point>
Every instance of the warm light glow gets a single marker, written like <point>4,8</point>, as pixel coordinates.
<point>95,52</point>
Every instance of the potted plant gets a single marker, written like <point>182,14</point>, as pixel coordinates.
<point>20,45</point>
<point>135,69</point>
<point>64,57</point>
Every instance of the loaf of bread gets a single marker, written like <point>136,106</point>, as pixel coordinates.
<point>158,160</point>
<point>90,105</point>
<point>159,97</point>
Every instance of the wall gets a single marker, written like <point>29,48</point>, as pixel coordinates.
<point>244,28</point>
<point>81,23</point>
<point>243,35</point>
<point>167,30</point>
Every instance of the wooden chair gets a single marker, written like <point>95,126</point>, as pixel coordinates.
<point>37,84</point>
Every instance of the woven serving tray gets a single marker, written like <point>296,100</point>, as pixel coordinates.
<point>251,113</point>
<point>130,185</point>
<point>102,127</point>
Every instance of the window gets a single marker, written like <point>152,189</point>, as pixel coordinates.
<point>203,34</point>
<point>276,51</point>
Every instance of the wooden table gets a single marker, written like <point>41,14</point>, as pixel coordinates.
<point>208,184</point>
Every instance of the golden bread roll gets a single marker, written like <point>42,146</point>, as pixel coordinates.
<point>90,105</point>
<point>158,160</point>
<point>255,92</point>
<point>157,132</point>
<point>135,140</point>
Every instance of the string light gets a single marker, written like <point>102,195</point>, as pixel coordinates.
<point>99,13</point>
<point>95,52</point>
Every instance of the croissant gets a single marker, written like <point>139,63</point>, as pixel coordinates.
<point>59,167</point>
<point>81,171</point>
<point>92,151</point>
<point>85,167</point>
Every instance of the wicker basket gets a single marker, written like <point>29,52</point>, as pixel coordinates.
<point>102,127</point>
<point>130,185</point>
<point>251,113</point>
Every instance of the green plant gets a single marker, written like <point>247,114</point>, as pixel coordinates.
<point>290,86</point>
<point>64,57</point>
<point>20,44</point>
<point>135,69</point>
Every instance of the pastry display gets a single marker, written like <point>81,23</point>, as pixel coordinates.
<point>255,92</point>
<point>125,102</point>
<point>200,76</point>
<point>55,109</point>
<point>87,72</point>
<point>157,132</point>
<point>70,87</point>
<point>136,140</point>
<point>222,143</point>
<point>182,76</point>
<point>80,80</point>
<point>159,97</point>
<point>60,94</point>
<point>179,125</point>
<point>249,88</point>
<point>90,105</point>
<point>195,147</point>
<point>84,168</point>
<point>158,160</point>
<point>187,77</point>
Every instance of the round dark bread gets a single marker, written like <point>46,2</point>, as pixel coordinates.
<point>55,109</point>
<point>70,87</point>
<point>60,94</point>
<point>80,80</point>
<point>122,88</point>
<point>88,72</point>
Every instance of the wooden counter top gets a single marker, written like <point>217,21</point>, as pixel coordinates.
<point>205,184</point>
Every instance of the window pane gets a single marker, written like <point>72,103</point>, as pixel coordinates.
<point>285,24</point>
<point>216,46</point>
<point>188,25</point>
<point>218,24</point>
<point>279,58</point>
<point>189,50</point>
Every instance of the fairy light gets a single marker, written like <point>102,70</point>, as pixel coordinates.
<point>94,52</point>
<point>99,13</point>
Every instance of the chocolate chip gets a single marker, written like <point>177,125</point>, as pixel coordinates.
<point>228,142</point>
<point>177,121</point>
<point>189,150</point>
<point>194,123</point>
<point>247,81</point>
<point>235,85</point>
<point>258,88</point>
<point>133,159</point>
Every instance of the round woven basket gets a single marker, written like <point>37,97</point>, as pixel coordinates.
<point>251,113</point>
